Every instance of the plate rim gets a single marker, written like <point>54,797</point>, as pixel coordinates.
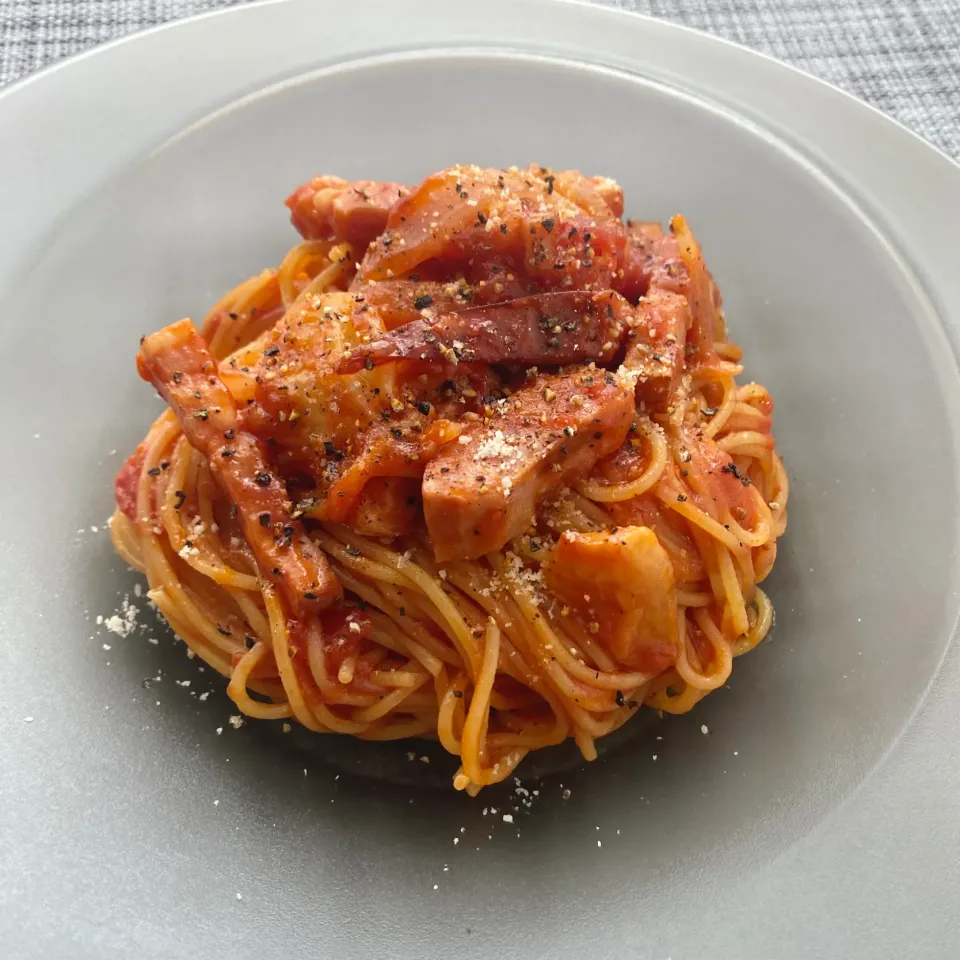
<point>884,128</point>
<point>592,6</point>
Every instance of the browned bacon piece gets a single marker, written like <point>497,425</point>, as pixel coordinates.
<point>466,217</point>
<point>651,258</point>
<point>548,329</point>
<point>332,208</point>
<point>397,302</point>
<point>126,482</point>
<point>179,364</point>
<point>656,347</point>
<point>621,580</point>
<point>701,292</point>
<point>483,489</point>
<point>598,196</point>
<point>673,262</point>
<point>388,507</point>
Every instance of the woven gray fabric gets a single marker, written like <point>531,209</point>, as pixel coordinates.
<point>902,56</point>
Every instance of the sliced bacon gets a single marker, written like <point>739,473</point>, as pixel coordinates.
<point>579,252</point>
<point>651,260</point>
<point>633,277</point>
<point>623,582</point>
<point>598,196</point>
<point>468,216</point>
<point>483,490</point>
<point>397,302</point>
<point>378,453</point>
<point>610,191</point>
<point>424,222</point>
<point>388,507</point>
<point>700,291</point>
<point>672,262</point>
<point>332,208</point>
<point>127,479</point>
<point>178,363</point>
<point>668,270</point>
<point>397,449</point>
<point>548,329</point>
<point>656,348</point>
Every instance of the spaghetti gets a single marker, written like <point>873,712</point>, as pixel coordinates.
<point>471,464</point>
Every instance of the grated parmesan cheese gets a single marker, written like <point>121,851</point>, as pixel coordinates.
<point>522,577</point>
<point>124,621</point>
<point>497,447</point>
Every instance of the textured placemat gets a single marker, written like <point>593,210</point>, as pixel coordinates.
<point>902,56</point>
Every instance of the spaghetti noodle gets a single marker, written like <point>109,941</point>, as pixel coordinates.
<point>471,464</point>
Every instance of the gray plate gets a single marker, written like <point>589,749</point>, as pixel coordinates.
<point>817,819</point>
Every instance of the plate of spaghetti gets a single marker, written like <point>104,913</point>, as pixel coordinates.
<point>402,418</point>
<point>472,463</point>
